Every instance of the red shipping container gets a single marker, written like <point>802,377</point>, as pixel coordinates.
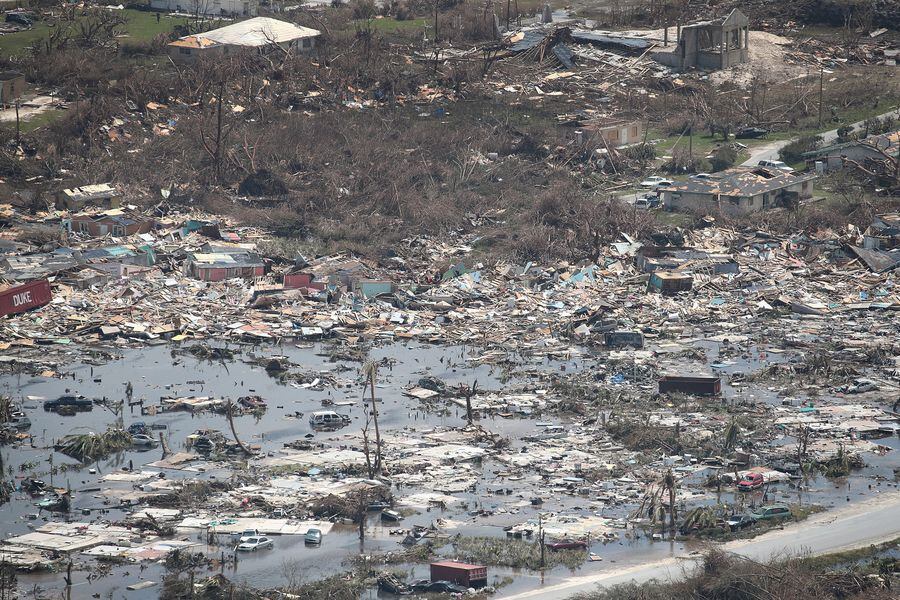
<point>25,297</point>
<point>459,573</point>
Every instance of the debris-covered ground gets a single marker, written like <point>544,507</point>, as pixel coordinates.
<point>560,367</point>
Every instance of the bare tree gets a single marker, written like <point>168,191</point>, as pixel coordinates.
<point>371,370</point>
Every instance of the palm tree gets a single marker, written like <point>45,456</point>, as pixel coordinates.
<point>731,436</point>
<point>668,483</point>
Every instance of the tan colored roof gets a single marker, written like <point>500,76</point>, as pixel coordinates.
<point>193,41</point>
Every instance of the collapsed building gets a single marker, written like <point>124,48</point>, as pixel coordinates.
<point>717,44</point>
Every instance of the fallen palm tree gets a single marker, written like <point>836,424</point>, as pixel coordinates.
<point>93,446</point>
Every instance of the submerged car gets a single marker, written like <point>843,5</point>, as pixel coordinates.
<point>138,427</point>
<point>143,440</point>
<point>567,545</point>
<point>771,511</point>
<point>69,401</point>
<point>255,543</point>
<point>752,481</point>
<point>313,536</point>
<point>737,522</point>
<point>440,587</point>
<point>19,422</point>
<point>391,515</point>
<point>327,419</point>
<point>249,533</point>
<point>252,402</point>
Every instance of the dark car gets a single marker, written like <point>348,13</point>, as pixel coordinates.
<point>76,402</point>
<point>567,545</point>
<point>138,427</point>
<point>750,133</point>
<point>737,522</point>
<point>441,587</point>
<point>771,512</point>
<point>19,18</point>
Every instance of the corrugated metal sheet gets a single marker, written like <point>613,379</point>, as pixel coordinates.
<point>25,297</point>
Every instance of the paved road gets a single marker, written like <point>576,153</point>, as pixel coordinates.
<point>770,151</point>
<point>868,522</point>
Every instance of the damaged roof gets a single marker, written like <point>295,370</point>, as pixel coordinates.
<point>91,192</point>
<point>739,182</point>
<point>259,31</point>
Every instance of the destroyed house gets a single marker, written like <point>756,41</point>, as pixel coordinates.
<point>653,258</point>
<point>868,152</point>
<point>101,195</point>
<point>715,44</point>
<point>739,190</point>
<point>220,263</point>
<point>36,266</point>
<point>115,222</point>
<point>616,133</point>
<point>143,256</point>
<point>299,279</point>
<point>883,233</point>
<point>262,34</point>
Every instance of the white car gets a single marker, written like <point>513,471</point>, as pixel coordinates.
<point>655,181</point>
<point>143,440</point>
<point>776,164</point>
<point>701,176</point>
<point>247,534</point>
<point>255,543</point>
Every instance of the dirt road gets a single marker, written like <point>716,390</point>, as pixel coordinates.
<point>855,526</point>
<point>770,151</point>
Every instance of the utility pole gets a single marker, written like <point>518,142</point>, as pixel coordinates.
<point>541,537</point>
<point>821,92</point>
<point>18,128</point>
<point>691,143</point>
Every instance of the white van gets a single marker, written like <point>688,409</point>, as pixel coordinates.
<point>776,164</point>
<point>328,418</point>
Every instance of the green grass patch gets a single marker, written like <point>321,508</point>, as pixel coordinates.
<point>41,119</point>
<point>673,219</point>
<point>828,561</point>
<point>142,26</point>
<point>518,554</point>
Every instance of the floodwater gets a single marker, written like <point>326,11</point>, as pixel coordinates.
<point>163,370</point>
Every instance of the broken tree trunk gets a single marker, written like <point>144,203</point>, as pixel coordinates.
<point>371,368</point>
<point>228,413</point>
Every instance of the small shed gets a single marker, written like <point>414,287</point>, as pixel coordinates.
<point>12,86</point>
<point>692,385</point>
<point>666,282</point>
<point>624,339</point>
<point>473,576</point>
